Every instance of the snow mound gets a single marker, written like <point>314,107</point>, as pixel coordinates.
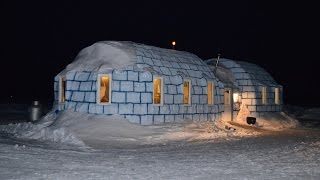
<point>276,121</point>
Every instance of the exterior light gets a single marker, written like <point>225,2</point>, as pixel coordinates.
<point>236,98</point>
<point>173,44</point>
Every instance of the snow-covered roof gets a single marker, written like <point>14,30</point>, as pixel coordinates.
<point>245,70</point>
<point>105,55</point>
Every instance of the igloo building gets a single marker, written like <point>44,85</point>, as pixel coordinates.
<point>144,84</point>
<point>246,85</point>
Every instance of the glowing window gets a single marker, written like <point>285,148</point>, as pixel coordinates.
<point>158,91</point>
<point>187,92</point>
<point>276,95</point>
<point>264,95</point>
<point>62,89</point>
<point>104,89</point>
<point>210,93</point>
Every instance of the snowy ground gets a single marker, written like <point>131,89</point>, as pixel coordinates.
<point>78,146</point>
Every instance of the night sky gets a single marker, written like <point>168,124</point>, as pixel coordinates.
<point>40,38</point>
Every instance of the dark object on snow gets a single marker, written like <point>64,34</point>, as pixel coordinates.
<point>35,111</point>
<point>251,120</point>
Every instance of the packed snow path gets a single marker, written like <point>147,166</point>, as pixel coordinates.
<point>293,155</point>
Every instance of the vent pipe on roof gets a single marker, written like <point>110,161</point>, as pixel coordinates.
<point>217,62</point>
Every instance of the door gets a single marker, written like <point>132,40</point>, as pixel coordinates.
<point>228,104</point>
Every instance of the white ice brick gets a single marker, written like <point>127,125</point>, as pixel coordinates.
<point>157,62</point>
<point>133,76</point>
<point>147,120</point>
<point>165,109</point>
<point>177,99</point>
<point>82,76</point>
<point>117,75</point>
<point>133,97</point>
<point>196,117</point>
<point>133,119</point>
<point>125,108</point>
<point>197,90</point>
<point>68,95</point>
<point>176,80</point>
<point>94,86</point>
<point>246,76</point>
<point>172,89</point>
<point>93,108</point>
<point>126,86</point>
<point>145,76</point>
<point>110,109</point>
<point>146,97</point>
<point>264,108</point>
<point>90,97</point>
<point>85,86</point>
<point>193,67</point>
<point>77,96</point>
<point>118,97</point>
<point>115,85</point>
<point>148,61</point>
<point>248,88</point>
<point>199,108</point>
<point>149,87</point>
<point>73,85</point>
<point>168,99</point>
<point>166,64</point>
<point>202,82</point>
<point>139,87</point>
<point>174,109</point>
<point>244,95</point>
<point>175,65</point>
<point>251,95</point>
<point>139,57</point>
<point>184,66</point>
<point>158,119</point>
<point>195,99</point>
<point>152,109</point>
<point>246,101</point>
<point>169,118</point>
<point>166,80</point>
<point>252,108</point>
<point>183,109</point>
<point>165,70</point>
<point>82,107</point>
<point>71,105</point>
<point>238,75</point>
<point>178,118</point>
<point>180,89</point>
<point>56,86</point>
<point>70,75</point>
<point>140,109</point>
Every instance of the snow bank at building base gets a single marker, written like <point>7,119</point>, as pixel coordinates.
<point>101,131</point>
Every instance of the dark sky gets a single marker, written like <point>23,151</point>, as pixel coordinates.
<point>41,38</point>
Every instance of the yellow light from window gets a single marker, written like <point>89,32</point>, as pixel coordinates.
<point>210,93</point>
<point>186,92</point>
<point>157,91</point>
<point>104,89</point>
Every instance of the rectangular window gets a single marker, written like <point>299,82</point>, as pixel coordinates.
<point>158,91</point>
<point>62,89</point>
<point>210,93</point>
<point>264,95</point>
<point>227,97</point>
<point>276,95</point>
<point>104,89</point>
<point>187,92</point>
